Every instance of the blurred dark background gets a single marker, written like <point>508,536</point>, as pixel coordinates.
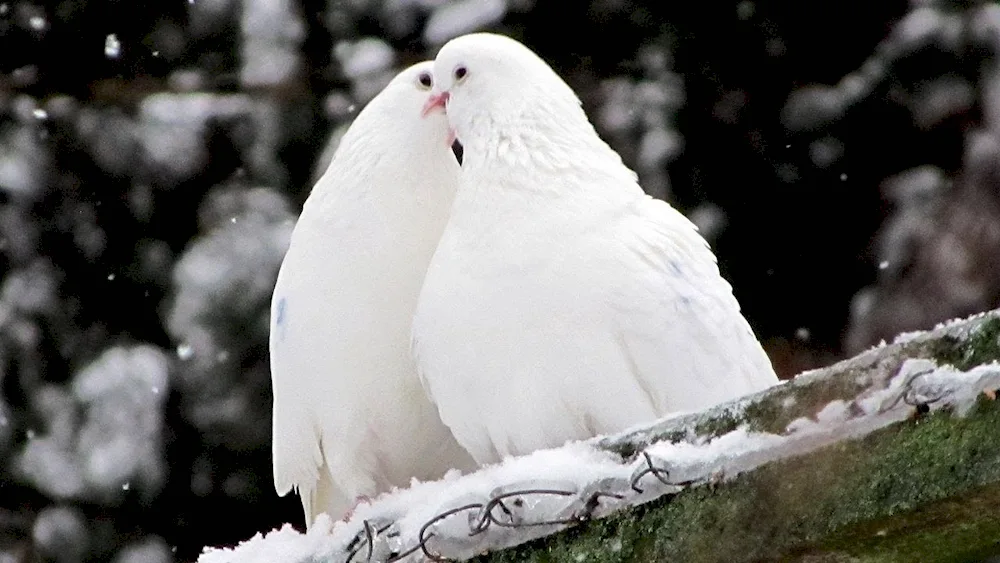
<point>841,157</point>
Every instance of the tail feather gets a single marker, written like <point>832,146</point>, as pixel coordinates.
<point>326,497</point>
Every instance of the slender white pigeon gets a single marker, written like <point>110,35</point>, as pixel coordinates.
<point>562,301</point>
<point>351,419</point>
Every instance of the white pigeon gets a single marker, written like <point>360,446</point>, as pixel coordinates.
<point>351,419</point>
<point>562,302</point>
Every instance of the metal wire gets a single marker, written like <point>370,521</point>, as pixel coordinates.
<point>662,475</point>
<point>500,509</point>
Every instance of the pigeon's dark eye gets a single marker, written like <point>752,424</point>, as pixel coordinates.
<point>460,72</point>
<point>425,79</point>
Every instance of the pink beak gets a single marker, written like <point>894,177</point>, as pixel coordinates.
<point>435,101</point>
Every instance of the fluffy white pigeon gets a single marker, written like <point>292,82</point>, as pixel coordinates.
<point>562,301</point>
<point>351,419</point>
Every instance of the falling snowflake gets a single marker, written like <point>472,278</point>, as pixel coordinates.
<point>112,47</point>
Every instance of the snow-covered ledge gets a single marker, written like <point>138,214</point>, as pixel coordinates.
<point>889,456</point>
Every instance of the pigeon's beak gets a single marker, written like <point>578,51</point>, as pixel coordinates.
<point>435,101</point>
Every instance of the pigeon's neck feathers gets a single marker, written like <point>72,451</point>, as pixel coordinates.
<point>545,144</point>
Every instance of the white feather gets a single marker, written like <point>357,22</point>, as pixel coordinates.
<point>350,416</point>
<point>562,301</point>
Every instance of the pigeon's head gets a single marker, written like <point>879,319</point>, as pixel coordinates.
<point>401,103</point>
<point>492,82</point>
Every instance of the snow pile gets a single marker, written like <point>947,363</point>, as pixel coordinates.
<point>525,498</point>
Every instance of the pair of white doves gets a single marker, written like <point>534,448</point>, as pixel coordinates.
<point>431,316</point>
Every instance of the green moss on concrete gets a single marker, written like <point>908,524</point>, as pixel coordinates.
<point>820,503</point>
<point>804,398</point>
<point>770,413</point>
<point>799,399</point>
<point>723,423</point>
<point>981,346</point>
<point>942,528</point>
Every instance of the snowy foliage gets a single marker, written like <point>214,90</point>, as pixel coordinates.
<point>103,435</point>
<point>219,311</point>
<point>150,174</point>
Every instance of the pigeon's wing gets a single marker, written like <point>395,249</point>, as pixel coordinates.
<point>295,445</point>
<point>679,324</point>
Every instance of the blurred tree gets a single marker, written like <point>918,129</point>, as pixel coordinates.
<point>153,157</point>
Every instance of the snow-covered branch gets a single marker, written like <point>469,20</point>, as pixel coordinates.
<point>889,452</point>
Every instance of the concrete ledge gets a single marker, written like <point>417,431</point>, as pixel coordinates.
<point>924,486</point>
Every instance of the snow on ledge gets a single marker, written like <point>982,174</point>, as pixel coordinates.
<point>579,481</point>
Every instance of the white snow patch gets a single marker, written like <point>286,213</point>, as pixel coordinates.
<point>286,544</point>
<point>570,468</point>
<point>724,448</point>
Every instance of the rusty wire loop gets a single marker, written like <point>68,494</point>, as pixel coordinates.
<point>662,475</point>
<point>908,396</point>
<point>365,538</point>
<point>414,549</point>
<point>423,529</point>
<point>501,510</point>
<point>487,517</point>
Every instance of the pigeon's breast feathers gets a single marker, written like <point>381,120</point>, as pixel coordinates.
<point>510,110</point>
